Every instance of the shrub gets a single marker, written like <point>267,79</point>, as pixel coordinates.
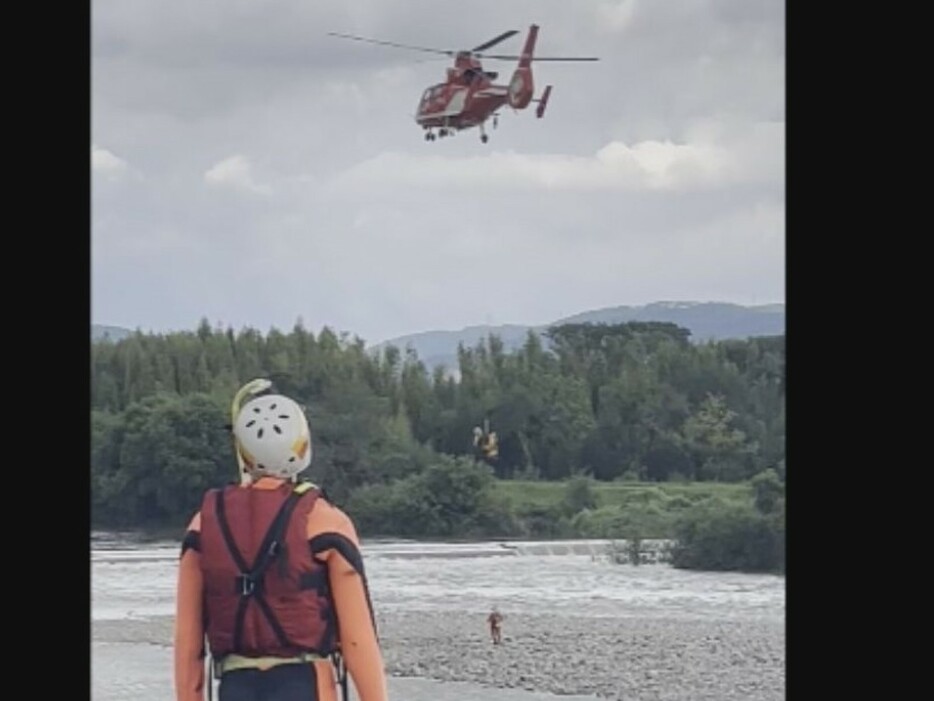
<point>579,495</point>
<point>733,537</point>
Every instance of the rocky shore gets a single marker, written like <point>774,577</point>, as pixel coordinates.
<point>643,658</point>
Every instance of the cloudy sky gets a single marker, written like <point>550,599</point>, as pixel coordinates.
<point>250,169</point>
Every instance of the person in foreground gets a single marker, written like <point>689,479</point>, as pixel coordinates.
<point>271,577</point>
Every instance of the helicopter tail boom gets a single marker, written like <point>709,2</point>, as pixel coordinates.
<point>522,86</point>
<point>525,59</point>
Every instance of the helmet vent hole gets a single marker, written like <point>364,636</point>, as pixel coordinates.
<point>259,434</point>
<point>292,459</point>
<point>256,410</point>
<point>276,429</point>
<point>251,422</point>
<point>272,407</point>
<point>284,416</point>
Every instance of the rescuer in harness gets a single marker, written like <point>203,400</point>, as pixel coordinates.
<point>271,576</point>
<point>486,443</point>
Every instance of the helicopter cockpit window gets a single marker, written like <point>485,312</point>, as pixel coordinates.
<point>432,93</point>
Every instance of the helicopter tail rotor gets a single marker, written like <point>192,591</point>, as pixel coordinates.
<point>542,102</point>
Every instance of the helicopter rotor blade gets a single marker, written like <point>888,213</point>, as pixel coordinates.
<point>391,43</point>
<point>476,51</point>
<point>540,58</point>
<point>494,42</point>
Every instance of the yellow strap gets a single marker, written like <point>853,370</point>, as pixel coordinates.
<point>234,662</point>
<point>303,487</point>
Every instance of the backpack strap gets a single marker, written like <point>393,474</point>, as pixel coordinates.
<point>272,543</point>
<point>249,581</point>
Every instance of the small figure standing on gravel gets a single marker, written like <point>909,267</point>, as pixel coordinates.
<point>495,619</point>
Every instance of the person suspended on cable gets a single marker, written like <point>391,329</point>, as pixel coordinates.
<point>486,443</point>
<point>271,584</point>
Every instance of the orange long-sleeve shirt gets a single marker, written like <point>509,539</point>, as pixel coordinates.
<point>333,540</point>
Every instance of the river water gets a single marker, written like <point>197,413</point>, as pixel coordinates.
<point>132,581</point>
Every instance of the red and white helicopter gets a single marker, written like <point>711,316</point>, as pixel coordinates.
<point>469,96</point>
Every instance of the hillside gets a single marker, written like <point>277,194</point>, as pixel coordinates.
<point>705,321</point>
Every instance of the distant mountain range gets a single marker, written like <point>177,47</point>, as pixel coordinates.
<point>705,321</point>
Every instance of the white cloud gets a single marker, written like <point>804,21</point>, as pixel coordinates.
<point>235,172</point>
<point>615,16</point>
<point>647,165</point>
<point>106,163</point>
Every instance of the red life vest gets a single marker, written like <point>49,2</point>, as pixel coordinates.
<point>264,593</point>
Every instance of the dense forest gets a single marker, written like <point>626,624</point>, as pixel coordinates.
<point>633,402</point>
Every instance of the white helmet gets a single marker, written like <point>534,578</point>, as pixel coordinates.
<point>272,437</point>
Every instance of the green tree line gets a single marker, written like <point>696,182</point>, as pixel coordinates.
<point>635,401</point>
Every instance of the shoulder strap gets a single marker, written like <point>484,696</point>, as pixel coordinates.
<point>251,576</point>
<point>273,540</point>
<point>303,487</point>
